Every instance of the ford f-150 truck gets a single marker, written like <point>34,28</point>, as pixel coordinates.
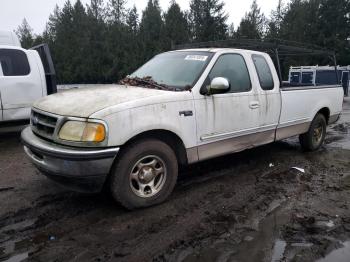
<point>25,76</point>
<point>179,108</point>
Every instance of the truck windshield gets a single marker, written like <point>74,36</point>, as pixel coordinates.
<point>179,69</point>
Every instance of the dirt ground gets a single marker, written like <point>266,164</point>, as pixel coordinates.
<point>249,206</point>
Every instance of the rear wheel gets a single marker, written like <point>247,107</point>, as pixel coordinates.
<point>314,138</point>
<point>145,174</point>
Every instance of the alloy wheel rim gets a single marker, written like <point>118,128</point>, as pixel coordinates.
<point>148,175</point>
<point>318,133</point>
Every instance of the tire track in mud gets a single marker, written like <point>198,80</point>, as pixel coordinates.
<point>295,194</point>
<point>216,205</point>
<point>50,210</point>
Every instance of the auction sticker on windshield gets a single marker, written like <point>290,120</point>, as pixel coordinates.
<point>196,58</point>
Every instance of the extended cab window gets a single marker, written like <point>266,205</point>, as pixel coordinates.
<point>14,62</point>
<point>234,69</point>
<point>264,72</point>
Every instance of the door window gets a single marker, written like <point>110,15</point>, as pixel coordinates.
<point>14,62</point>
<point>234,69</point>
<point>264,72</point>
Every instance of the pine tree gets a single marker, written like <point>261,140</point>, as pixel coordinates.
<point>274,23</point>
<point>89,45</point>
<point>196,17</point>
<point>25,34</point>
<point>51,26</point>
<point>208,20</point>
<point>231,31</point>
<point>95,60</point>
<point>300,21</point>
<point>334,28</point>
<point>79,43</point>
<point>96,9</point>
<point>132,20</point>
<point>176,26</point>
<point>252,25</point>
<point>61,29</point>
<point>151,29</point>
<point>117,11</point>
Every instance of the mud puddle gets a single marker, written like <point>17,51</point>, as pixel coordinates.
<point>17,258</point>
<point>338,136</point>
<point>14,251</point>
<point>341,254</point>
<point>249,206</point>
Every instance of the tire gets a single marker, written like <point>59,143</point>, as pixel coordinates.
<point>313,139</point>
<point>137,166</point>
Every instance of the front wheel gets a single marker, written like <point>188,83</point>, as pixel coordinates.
<point>313,139</point>
<point>145,174</point>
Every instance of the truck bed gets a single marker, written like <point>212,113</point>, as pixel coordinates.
<point>299,104</point>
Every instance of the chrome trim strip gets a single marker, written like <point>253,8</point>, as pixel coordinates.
<point>293,88</point>
<point>239,133</point>
<point>46,124</point>
<point>36,144</point>
<point>292,130</point>
<point>293,122</point>
<point>235,144</point>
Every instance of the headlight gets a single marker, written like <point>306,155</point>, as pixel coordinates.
<point>79,131</point>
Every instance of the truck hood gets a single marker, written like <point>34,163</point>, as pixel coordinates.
<point>86,101</point>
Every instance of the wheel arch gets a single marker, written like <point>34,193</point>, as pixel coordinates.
<point>166,136</point>
<point>325,112</point>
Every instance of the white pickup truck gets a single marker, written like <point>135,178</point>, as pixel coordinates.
<point>25,76</point>
<point>181,107</point>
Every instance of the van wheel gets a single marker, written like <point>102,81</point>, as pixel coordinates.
<point>145,174</point>
<point>313,139</point>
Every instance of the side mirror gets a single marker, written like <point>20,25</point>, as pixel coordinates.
<point>218,85</point>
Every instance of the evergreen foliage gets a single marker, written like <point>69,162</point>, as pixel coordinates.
<point>253,24</point>
<point>208,20</point>
<point>25,34</point>
<point>175,25</point>
<point>104,41</point>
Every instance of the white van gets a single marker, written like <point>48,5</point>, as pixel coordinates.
<point>25,76</point>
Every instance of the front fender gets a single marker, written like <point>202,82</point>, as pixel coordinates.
<point>126,124</point>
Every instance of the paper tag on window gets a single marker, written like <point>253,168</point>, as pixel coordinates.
<point>196,58</point>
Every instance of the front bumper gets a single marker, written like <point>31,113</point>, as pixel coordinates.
<point>80,169</point>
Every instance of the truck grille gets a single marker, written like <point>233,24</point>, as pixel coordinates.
<point>43,125</point>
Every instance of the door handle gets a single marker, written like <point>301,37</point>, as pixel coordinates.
<point>254,105</point>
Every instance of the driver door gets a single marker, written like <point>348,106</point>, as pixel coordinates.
<point>227,122</point>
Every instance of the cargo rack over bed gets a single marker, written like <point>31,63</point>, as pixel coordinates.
<point>276,48</point>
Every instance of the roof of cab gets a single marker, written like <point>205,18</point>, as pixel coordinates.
<point>219,50</point>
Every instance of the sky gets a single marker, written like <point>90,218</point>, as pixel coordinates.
<point>37,12</point>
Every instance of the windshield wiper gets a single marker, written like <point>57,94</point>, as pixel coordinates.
<point>146,82</point>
